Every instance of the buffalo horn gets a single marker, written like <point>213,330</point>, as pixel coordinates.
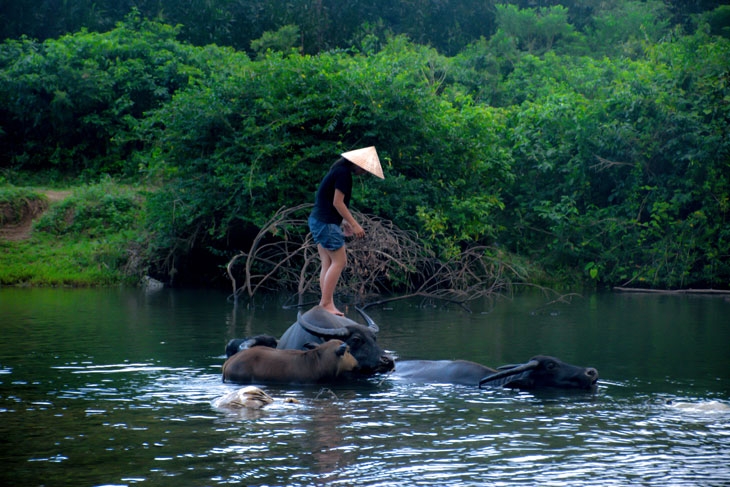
<point>371,324</point>
<point>509,373</point>
<point>334,332</point>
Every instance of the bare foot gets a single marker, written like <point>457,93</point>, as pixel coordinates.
<point>333,310</point>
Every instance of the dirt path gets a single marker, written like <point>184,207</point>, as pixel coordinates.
<point>21,230</point>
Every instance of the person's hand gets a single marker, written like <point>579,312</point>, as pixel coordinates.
<point>358,231</point>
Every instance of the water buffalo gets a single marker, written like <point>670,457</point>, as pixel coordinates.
<point>318,325</point>
<point>265,365</point>
<point>539,372</point>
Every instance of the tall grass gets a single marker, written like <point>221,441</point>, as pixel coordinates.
<point>44,260</point>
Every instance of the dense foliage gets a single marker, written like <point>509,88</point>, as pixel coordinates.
<point>258,136</point>
<point>72,104</point>
<point>447,25</point>
<point>596,148</point>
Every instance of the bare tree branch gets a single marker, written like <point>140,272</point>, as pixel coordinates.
<point>387,260</point>
<point>604,164</point>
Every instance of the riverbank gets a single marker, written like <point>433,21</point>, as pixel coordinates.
<point>19,211</point>
<point>78,237</point>
<point>95,235</point>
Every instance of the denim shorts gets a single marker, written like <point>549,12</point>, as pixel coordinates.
<point>328,235</point>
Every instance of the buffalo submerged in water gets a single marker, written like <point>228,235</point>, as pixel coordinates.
<point>317,326</point>
<point>540,372</point>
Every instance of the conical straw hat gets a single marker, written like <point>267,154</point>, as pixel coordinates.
<point>366,158</point>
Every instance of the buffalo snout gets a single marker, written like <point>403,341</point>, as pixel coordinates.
<point>592,375</point>
<point>369,355</point>
<point>386,364</point>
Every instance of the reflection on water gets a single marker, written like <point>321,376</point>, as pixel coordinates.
<point>115,388</point>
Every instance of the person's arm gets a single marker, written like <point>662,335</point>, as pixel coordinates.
<point>339,203</point>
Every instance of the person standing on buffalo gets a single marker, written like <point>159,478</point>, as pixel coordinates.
<point>331,220</point>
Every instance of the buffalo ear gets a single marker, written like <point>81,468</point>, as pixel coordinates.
<point>341,350</point>
<point>315,321</point>
<point>509,375</point>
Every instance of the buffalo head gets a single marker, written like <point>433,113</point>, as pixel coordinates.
<point>318,325</point>
<point>237,344</point>
<point>542,372</point>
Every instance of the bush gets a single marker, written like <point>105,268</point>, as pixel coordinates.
<point>621,166</point>
<point>94,211</point>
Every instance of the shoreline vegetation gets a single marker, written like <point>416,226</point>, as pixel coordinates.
<point>80,237</point>
<point>49,255</point>
<point>561,147</point>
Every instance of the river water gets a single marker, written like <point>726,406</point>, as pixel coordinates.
<point>114,387</point>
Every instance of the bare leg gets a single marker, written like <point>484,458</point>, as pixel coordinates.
<point>324,257</point>
<point>333,263</point>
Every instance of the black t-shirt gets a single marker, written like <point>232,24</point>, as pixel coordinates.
<point>339,177</point>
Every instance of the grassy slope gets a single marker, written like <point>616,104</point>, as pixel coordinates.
<point>44,260</point>
<point>81,240</point>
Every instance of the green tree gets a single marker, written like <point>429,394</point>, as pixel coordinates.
<point>72,105</point>
<point>627,27</point>
<point>620,166</point>
<point>282,40</point>
<point>260,135</point>
<point>534,30</point>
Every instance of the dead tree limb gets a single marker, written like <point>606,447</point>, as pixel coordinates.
<point>670,291</point>
<point>284,228</point>
<point>388,260</point>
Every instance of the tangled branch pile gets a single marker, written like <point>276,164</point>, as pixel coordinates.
<point>387,264</point>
